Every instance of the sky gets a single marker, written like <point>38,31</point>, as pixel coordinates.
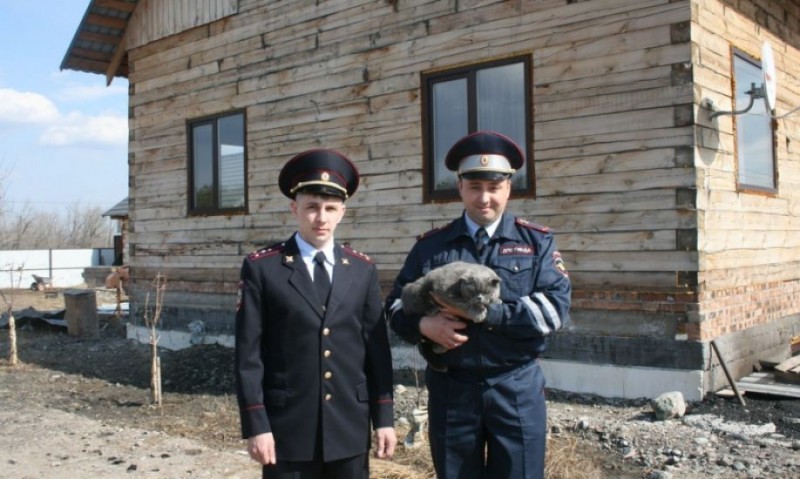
<point>63,134</point>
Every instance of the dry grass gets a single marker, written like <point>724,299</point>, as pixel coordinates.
<point>219,422</point>
<point>395,470</point>
<point>563,461</point>
<point>213,418</point>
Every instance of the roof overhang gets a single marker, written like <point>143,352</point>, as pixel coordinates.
<point>118,211</point>
<point>98,44</point>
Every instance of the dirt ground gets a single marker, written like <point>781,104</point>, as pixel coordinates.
<point>81,408</point>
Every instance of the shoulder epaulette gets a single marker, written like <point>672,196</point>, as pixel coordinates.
<point>267,252</point>
<point>356,254</point>
<point>532,226</point>
<point>434,231</point>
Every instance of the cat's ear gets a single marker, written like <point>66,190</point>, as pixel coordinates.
<point>425,289</point>
<point>495,282</point>
<point>466,286</point>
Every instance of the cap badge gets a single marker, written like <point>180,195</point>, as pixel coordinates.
<point>325,176</point>
<point>484,160</point>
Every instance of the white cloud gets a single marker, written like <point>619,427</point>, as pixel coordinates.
<point>79,129</point>
<point>18,107</point>
<point>90,92</point>
<point>34,109</point>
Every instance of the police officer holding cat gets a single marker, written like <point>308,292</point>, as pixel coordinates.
<point>487,411</point>
<point>313,364</point>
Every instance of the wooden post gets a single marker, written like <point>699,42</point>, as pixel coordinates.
<point>12,338</point>
<point>728,374</point>
<point>118,311</point>
<point>81,313</point>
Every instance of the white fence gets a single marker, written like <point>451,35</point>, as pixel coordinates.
<point>64,266</point>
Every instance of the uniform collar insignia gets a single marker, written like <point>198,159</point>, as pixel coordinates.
<point>345,261</point>
<point>289,259</point>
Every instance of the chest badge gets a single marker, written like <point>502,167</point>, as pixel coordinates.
<point>519,249</point>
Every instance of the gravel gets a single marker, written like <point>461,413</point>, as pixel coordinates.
<point>106,380</point>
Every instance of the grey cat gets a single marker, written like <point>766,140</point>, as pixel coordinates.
<point>466,286</point>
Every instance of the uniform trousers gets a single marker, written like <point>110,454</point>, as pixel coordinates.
<point>350,468</point>
<point>487,427</point>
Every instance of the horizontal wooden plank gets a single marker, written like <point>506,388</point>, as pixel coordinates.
<point>622,279</point>
<point>663,240</point>
<point>609,182</point>
<point>621,140</point>
<point>764,383</point>
<point>790,364</point>
<point>743,258</point>
<point>632,261</point>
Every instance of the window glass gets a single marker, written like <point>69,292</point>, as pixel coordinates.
<point>449,124</point>
<point>754,135</point>
<point>501,106</point>
<point>203,161</point>
<point>231,161</point>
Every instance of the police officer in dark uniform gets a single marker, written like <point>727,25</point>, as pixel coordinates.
<point>487,416</point>
<point>313,364</point>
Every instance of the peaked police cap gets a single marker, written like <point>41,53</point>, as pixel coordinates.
<point>485,155</point>
<point>321,172</point>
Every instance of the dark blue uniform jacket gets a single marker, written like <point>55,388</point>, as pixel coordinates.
<point>535,291</point>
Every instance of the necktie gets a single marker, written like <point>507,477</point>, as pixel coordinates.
<point>481,240</point>
<point>322,281</point>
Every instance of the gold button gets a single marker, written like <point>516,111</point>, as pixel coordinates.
<point>328,375</point>
<point>328,397</point>
<point>327,353</point>
<point>326,332</point>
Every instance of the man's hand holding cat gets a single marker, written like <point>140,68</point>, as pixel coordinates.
<point>443,328</point>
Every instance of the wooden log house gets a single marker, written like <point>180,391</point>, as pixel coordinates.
<point>677,228</point>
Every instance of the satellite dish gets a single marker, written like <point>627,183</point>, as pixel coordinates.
<point>768,71</point>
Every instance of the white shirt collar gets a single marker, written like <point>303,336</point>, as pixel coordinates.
<point>472,226</point>
<point>307,251</point>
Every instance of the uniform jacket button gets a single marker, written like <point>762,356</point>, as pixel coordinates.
<point>328,375</point>
<point>327,353</point>
<point>326,331</point>
<point>328,397</point>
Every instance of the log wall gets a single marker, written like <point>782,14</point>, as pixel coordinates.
<point>156,19</point>
<point>638,185</point>
<point>748,243</point>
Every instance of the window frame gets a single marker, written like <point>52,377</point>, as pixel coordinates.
<point>469,72</point>
<point>745,187</point>
<point>213,121</point>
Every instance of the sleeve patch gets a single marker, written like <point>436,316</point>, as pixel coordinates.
<point>560,265</point>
